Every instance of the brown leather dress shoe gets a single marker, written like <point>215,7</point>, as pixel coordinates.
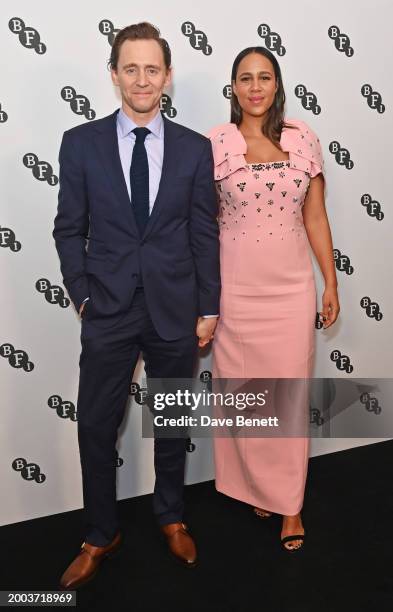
<point>180,543</point>
<point>85,565</point>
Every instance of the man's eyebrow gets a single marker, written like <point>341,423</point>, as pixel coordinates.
<point>132,65</point>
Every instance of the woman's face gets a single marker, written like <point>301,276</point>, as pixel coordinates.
<point>255,85</point>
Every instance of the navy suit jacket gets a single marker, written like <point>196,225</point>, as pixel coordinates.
<point>178,254</point>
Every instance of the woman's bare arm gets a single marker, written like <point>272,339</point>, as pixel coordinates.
<point>318,231</point>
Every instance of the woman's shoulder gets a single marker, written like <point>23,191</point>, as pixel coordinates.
<point>223,129</point>
<point>301,140</point>
<point>226,141</point>
<point>299,128</point>
<point>228,147</point>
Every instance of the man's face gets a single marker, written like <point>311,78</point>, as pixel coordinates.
<point>141,75</point>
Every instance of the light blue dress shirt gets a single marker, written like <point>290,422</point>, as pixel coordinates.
<point>154,144</point>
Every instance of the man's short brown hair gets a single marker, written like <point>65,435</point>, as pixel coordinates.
<point>138,31</point>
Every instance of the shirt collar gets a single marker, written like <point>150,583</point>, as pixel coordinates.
<point>126,124</point>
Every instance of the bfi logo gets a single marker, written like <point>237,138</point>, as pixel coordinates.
<point>118,460</point>
<point>370,403</point>
<point>308,99</point>
<point>64,409</point>
<point>206,378</point>
<point>28,37</point>
<point>372,308</point>
<point>41,170</point>
<point>341,155</point>
<point>16,358</point>
<point>3,115</point>
<point>343,263</point>
<point>166,106</point>
<point>198,39</point>
<point>28,471</point>
<point>190,446</point>
<point>341,41</point>
<point>107,29</point>
<point>315,417</point>
<point>272,39</point>
<point>374,98</point>
<point>138,393</point>
<point>372,206</point>
<point>227,92</point>
<point>343,362</point>
<point>80,105</point>
<point>53,293</point>
<point>7,240</point>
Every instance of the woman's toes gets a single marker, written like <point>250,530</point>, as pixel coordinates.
<point>262,512</point>
<point>293,544</point>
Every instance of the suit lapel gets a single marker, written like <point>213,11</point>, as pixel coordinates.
<point>169,167</point>
<point>108,148</point>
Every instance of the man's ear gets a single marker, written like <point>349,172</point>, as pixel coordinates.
<point>168,78</point>
<point>114,77</point>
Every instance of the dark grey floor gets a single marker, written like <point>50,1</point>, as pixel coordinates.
<point>346,563</point>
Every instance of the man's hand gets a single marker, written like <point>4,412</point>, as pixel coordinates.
<point>205,330</point>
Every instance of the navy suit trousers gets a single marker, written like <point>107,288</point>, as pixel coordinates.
<point>107,362</point>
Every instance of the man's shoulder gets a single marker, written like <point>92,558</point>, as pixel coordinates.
<point>181,130</point>
<point>84,130</point>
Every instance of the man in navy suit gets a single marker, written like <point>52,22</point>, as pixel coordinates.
<point>140,188</point>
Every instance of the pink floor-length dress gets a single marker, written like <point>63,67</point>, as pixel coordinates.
<point>268,304</point>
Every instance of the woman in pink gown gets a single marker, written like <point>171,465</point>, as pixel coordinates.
<point>269,178</point>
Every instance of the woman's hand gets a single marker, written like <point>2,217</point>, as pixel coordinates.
<point>330,306</point>
<point>205,330</point>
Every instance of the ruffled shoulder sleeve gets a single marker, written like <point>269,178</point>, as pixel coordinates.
<point>303,146</point>
<point>229,148</point>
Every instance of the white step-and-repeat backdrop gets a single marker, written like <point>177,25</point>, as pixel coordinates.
<point>337,66</point>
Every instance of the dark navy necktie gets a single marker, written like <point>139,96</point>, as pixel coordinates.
<point>139,179</point>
